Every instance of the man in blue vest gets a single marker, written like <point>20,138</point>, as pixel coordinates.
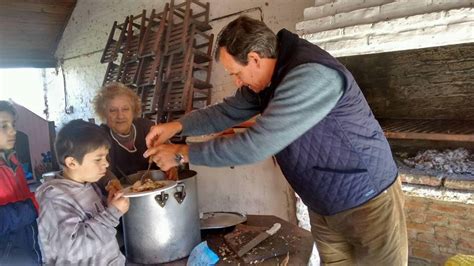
<point>316,121</point>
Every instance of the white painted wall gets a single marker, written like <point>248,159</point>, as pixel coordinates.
<point>258,188</point>
<point>80,50</point>
<point>351,27</point>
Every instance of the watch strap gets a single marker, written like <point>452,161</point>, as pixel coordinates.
<point>179,158</point>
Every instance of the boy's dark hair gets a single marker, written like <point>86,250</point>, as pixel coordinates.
<point>6,106</point>
<point>77,138</point>
<point>244,35</point>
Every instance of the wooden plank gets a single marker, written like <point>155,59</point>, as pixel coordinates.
<point>20,46</point>
<point>12,38</point>
<point>55,8</point>
<point>41,63</point>
<point>446,130</point>
<point>42,18</point>
<point>429,136</point>
<point>18,29</point>
<point>48,2</point>
<point>37,58</point>
<point>31,29</point>
<point>22,52</point>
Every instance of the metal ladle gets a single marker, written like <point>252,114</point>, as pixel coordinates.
<point>143,178</point>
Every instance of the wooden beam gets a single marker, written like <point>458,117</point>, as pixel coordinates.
<point>28,62</point>
<point>441,130</point>
<point>57,8</point>
<point>32,17</point>
<point>429,136</point>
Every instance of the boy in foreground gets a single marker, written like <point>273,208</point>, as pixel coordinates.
<point>76,222</point>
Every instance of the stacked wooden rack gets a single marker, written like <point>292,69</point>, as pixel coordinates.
<point>165,58</point>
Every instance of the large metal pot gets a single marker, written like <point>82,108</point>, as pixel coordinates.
<point>164,226</point>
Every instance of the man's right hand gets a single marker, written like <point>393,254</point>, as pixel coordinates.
<point>160,133</point>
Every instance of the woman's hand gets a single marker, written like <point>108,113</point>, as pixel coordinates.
<point>160,133</point>
<point>164,155</point>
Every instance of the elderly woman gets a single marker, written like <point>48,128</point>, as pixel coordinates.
<point>120,108</point>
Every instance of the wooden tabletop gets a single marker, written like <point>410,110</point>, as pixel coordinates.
<point>300,243</point>
<point>298,240</point>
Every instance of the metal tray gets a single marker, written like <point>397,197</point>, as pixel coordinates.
<point>218,220</point>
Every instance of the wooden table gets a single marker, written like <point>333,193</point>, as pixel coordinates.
<point>300,241</point>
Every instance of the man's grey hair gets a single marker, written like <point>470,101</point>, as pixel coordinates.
<point>244,35</point>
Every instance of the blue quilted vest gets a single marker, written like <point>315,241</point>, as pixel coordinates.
<point>345,159</point>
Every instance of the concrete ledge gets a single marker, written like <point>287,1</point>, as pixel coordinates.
<point>435,179</point>
<point>439,193</point>
<point>459,184</point>
<point>427,180</point>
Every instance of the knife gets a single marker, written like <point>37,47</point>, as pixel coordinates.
<point>258,239</point>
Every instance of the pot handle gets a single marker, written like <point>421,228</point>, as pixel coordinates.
<point>180,193</point>
<point>162,198</point>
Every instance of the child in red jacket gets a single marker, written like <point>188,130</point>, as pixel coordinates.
<point>18,206</point>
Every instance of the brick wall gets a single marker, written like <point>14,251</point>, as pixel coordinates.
<point>399,84</point>
<point>349,27</point>
<point>439,229</point>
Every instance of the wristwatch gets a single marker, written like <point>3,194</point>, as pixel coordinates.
<point>179,158</point>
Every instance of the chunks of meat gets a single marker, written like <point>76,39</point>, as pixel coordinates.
<point>147,185</point>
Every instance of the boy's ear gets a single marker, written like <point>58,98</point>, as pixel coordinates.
<point>70,162</point>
